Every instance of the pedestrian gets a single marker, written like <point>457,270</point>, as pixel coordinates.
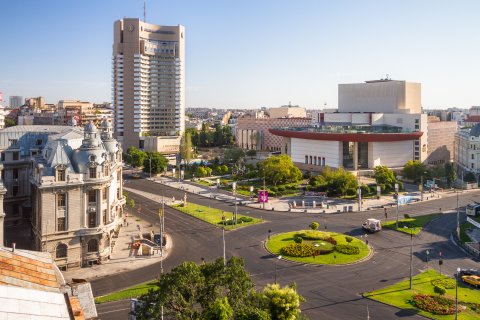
<point>366,241</point>
<point>138,227</point>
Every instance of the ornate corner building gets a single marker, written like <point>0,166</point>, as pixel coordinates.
<point>73,182</point>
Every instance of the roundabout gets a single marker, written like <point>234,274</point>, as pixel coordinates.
<point>318,247</point>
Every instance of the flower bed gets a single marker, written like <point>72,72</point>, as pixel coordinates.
<point>446,283</point>
<point>434,304</point>
<point>298,250</point>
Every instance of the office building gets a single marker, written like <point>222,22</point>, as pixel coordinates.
<point>15,102</point>
<point>148,74</point>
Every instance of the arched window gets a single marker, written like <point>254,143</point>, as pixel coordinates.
<point>61,251</point>
<point>92,245</point>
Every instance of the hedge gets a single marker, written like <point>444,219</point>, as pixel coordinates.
<point>298,250</point>
<point>347,249</point>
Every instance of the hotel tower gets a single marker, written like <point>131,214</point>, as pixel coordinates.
<point>148,82</point>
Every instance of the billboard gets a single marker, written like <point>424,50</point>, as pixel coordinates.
<point>262,196</point>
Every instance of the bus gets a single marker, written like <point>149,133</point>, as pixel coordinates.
<point>473,210</point>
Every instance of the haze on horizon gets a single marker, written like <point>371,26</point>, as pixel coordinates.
<point>245,54</point>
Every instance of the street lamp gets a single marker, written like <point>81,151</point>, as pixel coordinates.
<point>411,255</point>
<point>278,258</point>
<point>456,294</point>
<point>234,188</point>
<point>150,167</point>
<point>458,219</point>
<point>396,193</point>
<point>428,252</point>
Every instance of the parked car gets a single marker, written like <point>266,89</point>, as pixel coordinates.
<point>472,280</point>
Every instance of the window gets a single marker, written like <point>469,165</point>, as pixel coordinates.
<point>417,121</point>
<point>104,194</point>
<point>92,245</point>
<point>306,159</point>
<point>61,224</point>
<point>315,160</point>
<point>105,217</point>
<point>118,193</point>
<point>15,173</point>
<point>13,142</point>
<point>61,200</point>
<point>15,155</point>
<point>472,165</point>
<point>106,172</point>
<point>60,175</point>
<point>61,251</point>
<point>92,219</point>
<point>39,142</point>
<point>323,162</point>
<point>15,190</point>
<point>310,159</point>
<point>473,156</point>
<point>92,172</point>
<point>92,195</point>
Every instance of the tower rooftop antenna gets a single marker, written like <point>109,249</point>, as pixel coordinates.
<point>144,11</point>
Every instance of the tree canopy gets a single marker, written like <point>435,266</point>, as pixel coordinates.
<point>220,136</point>
<point>159,162</point>
<point>135,157</point>
<point>280,170</point>
<point>218,292</point>
<point>338,182</point>
<point>414,170</point>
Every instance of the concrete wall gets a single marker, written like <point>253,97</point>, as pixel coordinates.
<point>380,97</point>
<point>330,150</point>
<point>391,154</point>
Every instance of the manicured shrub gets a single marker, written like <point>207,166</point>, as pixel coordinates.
<point>435,304</point>
<point>348,239</point>
<point>324,251</point>
<point>314,225</point>
<point>406,216</point>
<point>438,289</point>
<point>245,219</point>
<point>347,249</point>
<point>281,188</point>
<point>313,235</point>
<point>274,188</point>
<point>298,250</point>
<point>445,282</point>
<point>298,239</point>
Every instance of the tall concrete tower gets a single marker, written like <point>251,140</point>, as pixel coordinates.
<point>148,73</point>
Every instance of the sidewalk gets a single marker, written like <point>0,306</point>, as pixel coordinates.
<point>330,205</point>
<point>123,257</point>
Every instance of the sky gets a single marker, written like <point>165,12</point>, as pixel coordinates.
<point>250,53</point>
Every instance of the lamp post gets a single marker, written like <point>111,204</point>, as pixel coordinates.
<point>150,167</point>
<point>278,258</point>
<point>428,253</point>
<point>396,193</point>
<point>421,188</point>
<point>458,219</point>
<point>251,193</point>
<point>359,191</point>
<point>234,188</point>
<point>411,255</point>
<point>264,187</point>
<point>456,293</point>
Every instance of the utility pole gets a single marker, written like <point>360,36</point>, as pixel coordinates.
<point>421,188</point>
<point>359,191</point>
<point>223,238</point>
<point>234,187</point>
<point>396,193</point>
<point>411,256</point>
<point>264,188</point>
<point>458,219</point>
<point>150,159</point>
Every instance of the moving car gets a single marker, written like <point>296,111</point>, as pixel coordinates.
<point>472,280</point>
<point>372,225</point>
<point>473,210</point>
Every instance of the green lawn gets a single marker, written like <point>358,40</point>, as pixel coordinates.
<point>133,292</point>
<point>213,216</point>
<point>277,242</point>
<point>415,222</point>
<point>463,230</point>
<point>203,182</point>
<point>400,295</point>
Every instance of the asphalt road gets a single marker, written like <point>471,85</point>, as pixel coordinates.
<point>332,292</point>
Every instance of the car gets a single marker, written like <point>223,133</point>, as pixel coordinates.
<point>472,280</point>
<point>372,225</point>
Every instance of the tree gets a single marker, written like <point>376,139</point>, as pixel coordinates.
<point>159,162</point>
<point>280,170</point>
<point>186,147</point>
<point>470,177</point>
<point>220,310</point>
<point>339,181</point>
<point>216,291</point>
<point>9,122</point>
<point>203,171</point>
<point>450,174</point>
<point>135,157</point>
<point>384,175</point>
<point>414,170</point>
<point>283,303</point>
<point>232,155</point>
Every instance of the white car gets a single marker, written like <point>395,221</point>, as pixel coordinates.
<point>372,225</point>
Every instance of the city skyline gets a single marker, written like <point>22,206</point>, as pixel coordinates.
<point>249,54</point>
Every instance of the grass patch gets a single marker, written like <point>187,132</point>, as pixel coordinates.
<point>277,242</point>
<point>203,183</point>
<point>133,292</point>
<point>463,230</point>
<point>213,215</point>
<point>414,222</point>
<point>400,295</point>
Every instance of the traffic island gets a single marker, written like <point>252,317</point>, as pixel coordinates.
<point>216,217</point>
<point>411,225</point>
<point>318,247</point>
<point>432,295</point>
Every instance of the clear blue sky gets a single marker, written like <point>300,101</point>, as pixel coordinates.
<point>250,53</point>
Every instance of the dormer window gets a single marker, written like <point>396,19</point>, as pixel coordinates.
<point>92,171</point>
<point>106,170</point>
<point>61,175</point>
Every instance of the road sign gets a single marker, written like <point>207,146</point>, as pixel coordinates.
<point>262,196</point>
